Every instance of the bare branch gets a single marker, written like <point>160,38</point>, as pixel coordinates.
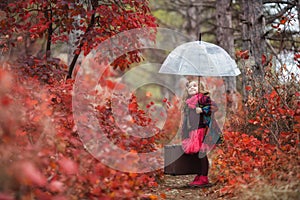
<point>273,51</point>
<point>272,18</point>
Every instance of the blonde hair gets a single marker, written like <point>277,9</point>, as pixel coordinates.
<point>201,88</point>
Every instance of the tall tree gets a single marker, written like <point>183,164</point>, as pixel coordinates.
<point>253,29</point>
<point>225,38</point>
<point>253,41</point>
<point>54,20</point>
<point>196,16</point>
<point>257,26</point>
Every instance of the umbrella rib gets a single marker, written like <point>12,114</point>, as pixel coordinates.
<point>191,64</point>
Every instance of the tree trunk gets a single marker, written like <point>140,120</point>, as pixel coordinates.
<point>253,31</point>
<point>253,25</point>
<point>83,38</point>
<point>192,20</point>
<point>73,35</point>
<point>298,12</point>
<point>50,32</point>
<point>225,39</point>
<point>93,4</point>
<point>49,41</point>
<point>224,30</point>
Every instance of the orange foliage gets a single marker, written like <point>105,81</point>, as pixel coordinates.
<point>42,155</point>
<point>264,144</point>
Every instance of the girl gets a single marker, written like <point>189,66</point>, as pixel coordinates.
<point>196,121</point>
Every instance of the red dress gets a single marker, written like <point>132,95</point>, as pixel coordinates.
<point>195,125</point>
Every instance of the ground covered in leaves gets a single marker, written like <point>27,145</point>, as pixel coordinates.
<point>176,187</point>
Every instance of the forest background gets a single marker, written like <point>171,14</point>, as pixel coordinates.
<point>43,44</point>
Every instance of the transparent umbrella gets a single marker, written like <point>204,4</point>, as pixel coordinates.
<point>199,58</point>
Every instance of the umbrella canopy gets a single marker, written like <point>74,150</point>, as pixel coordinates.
<point>199,58</point>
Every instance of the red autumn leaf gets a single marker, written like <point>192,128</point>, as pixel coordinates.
<point>31,174</point>
<point>31,102</point>
<point>119,86</point>
<point>43,195</point>
<point>224,190</point>
<point>169,104</point>
<point>4,196</point>
<point>267,131</point>
<point>5,101</point>
<point>20,132</point>
<point>48,112</point>
<point>291,112</point>
<point>283,20</point>
<point>252,121</point>
<point>263,59</point>
<point>132,107</point>
<point>246,176</point>
<point>60,197</point>
<point>245,54</point>
<point>246,159</point>
<point>37,118</point>
<point>248,88</point>
<point>282,111</point>
<point>56,186</point>
<point>297,56</point>
<point>252,149</point>
<point>238,54</point>
<point>242,54</point>
<point>110,84</point>
<point>77,52</point>
<point>163,195</point>
<point>220,151</point>
<point>96,191</point>
<point>152,197</point>
<point>68,166</point>
<point>111,118</point>
<point>275,25</point>
<point>273,94</point>
<point>148,94</point>
<point>232,181</point>
<point>246,140</point>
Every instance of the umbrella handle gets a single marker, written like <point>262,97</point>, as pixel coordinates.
<point>199,86</point>
<point>199,76</point>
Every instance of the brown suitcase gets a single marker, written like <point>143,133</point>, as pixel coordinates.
<point>176,162</point>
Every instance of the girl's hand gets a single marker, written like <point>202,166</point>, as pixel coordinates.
<point>199,110</point>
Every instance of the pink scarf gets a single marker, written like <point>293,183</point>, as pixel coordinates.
<point>192,101</point>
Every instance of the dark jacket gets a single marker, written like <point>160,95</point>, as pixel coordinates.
<point>194,121</point>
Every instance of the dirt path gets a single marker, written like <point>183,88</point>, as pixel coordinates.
<point>176,187</point>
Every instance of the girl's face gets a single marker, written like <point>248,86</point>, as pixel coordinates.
<point>192,88</point>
